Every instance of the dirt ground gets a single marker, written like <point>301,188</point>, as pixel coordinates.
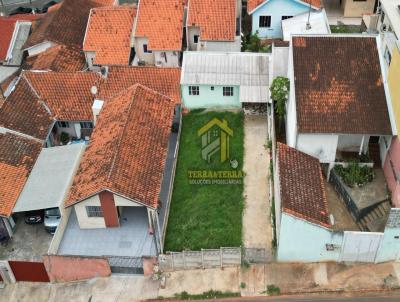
<point>257,230</point>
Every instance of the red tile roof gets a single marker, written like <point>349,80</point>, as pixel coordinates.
<point>161,22</point>
<point>24,112</point>
<point>109,34</point>
<point>302,187</point>
<point>339,86</point>
<point>57,58</point>
<point>128,148</point>
<point>216,19</point>
<point>17,157</point>
<point>67,94</point>
<point>252,4</point>
<point>165,81</point>
<point>65,25</point>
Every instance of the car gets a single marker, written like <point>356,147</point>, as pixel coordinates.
<point>52,219</point>
<point>21,10</point>
<point>34,217</point>
<point>177,119</point>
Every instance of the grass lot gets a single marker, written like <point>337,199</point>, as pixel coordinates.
<point>210,215</point>
<point>345,29</point>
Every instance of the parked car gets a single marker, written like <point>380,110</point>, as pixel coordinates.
<point>52,219</point>
<point>21,10</point>
<point>177,119</point>
<point>33,217</point>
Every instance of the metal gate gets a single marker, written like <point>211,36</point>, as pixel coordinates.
<point>29,271</point>
<point>125,265</point>
<point>360,246</point>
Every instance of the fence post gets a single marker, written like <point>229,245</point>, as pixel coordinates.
<point>221,257</point>
<point>172,262</point>
<point>184,259</point>
<point>202,259</point>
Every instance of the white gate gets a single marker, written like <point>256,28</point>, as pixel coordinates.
<point>360,246</point>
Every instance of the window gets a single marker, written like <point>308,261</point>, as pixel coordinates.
<point>286,17</point>
<point>145,50</point>
<point>194,90</point>
<point>212,88</point>
<point>265,21</point>
<point>196,39</point>
<point>388,56</point>
<point>94,211</point>
<point>382,16</point>
<point>227,91</point>
<point>63,124</point>
<point>86,125</point>
<point>359,0</point>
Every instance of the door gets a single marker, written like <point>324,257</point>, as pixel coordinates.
<point>360,246</point>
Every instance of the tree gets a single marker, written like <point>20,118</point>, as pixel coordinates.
<point>280,94</point>
<point>252,43</point>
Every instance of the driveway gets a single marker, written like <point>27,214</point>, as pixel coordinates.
<point>257,230</point>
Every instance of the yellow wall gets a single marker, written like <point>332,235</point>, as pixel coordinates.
<point>394,84</point>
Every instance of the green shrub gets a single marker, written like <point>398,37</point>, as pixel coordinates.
<point>211,294</point>
<point>355,175</point>
<point>242,285</point>
<point>273,290</point>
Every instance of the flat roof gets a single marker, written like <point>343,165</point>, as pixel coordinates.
<point>50,178</point>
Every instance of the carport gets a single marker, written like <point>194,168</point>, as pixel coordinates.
<point>45,188</point>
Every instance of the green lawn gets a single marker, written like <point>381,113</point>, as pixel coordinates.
<point>345,29</point>
<point>205,215</point>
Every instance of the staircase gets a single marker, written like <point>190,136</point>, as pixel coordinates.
<point>375,220</point>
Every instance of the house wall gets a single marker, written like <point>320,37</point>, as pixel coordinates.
<point>89,55</point>
<point>225,46</point>
<point>276,9</point>
<point>303,241</point>
<point>389,249</point>
<point>167,58</point>
<point>36,49</point>
<point>353,8</point>
<point>393,83</point>
<point>210,98</point>
<point>191,32</point>
<point>321,146</point>
<point>352,143</point>
<point>277,198</point>
<point>71,130</point>
<point>147,57</point>
<point>391,169</point>
<point>291,116</point>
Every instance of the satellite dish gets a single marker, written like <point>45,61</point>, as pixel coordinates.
<point>93,90</point>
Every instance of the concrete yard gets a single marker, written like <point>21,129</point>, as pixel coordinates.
<point>29,242</point>
<point>257,230</point>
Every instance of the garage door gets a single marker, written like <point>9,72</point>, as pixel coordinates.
<point>29,271</point>
<point>360,246</point>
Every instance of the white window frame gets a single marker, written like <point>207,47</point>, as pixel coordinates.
<point>227,91</point>
<point>94,211</point>
<point>194,90</point>
<point>270,21</point>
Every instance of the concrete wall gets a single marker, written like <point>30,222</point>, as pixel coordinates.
<point>191,32</point>
<point>67,268</point>
<point>353,8</point>
<point>224,46</point>
<point>167,58</point>
<point>147,57</point>
<point>389,249</point>
<point>277,199</point>
<point>276,9</point>
<point>74,129</point>
<point>321,146</point>
<point>90,55</point>
<point>210,98</point>
<point>391,168</point>
<point>352,143</point>
<point>303,241</point>
<point>36,49</point>
<point>58,235</point>
<point>393,83</point>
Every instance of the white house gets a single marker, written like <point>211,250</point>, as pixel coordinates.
<point>338,99</point>
<point>158,33</point>
<point>213,25</point>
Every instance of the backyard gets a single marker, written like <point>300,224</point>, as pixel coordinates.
<point>207,201</point>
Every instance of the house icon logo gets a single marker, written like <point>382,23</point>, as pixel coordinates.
<point>215,138</point>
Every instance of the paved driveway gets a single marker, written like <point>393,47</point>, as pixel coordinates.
<point>257,231</point>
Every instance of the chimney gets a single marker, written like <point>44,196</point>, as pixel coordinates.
<point>96,108</point>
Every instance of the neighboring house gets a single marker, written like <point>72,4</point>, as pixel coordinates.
<point>311,224</point>
<point>338,99</point>
<point>158,33</point>
<point>267,15</point>
<point>308,24</point>
<point>357,8</point>
<point>120,195</point>
<point>18,154</point>
<point>45,104</point>
<point>225,80</point>
<point>213,25</point>
<point>108,36</point>
<point>64,25</point>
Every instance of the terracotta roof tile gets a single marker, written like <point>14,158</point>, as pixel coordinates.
<point>161,22</point>
<point>24,112</point>
<point>109,34</point>
<point>252,4</point>
<point>339,86</point>
<point>67,94</point>
<point>128,148</point>
<point>65,25</point>
<point>17,157</point>
<point>165,81</point>
<point>302,186</point>
<point>57,58</point>
<point>216,19</point>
